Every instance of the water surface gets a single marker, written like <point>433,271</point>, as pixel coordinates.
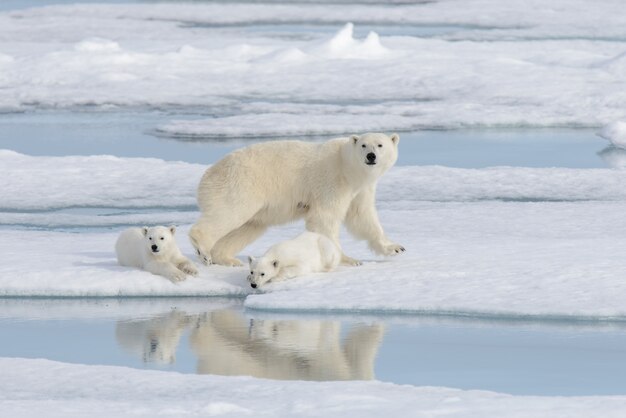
<point>131,134</point>
<point>220,337</point>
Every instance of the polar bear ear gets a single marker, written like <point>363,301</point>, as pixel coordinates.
<point>275,263</point>
<point>395,138</point>
<point>172,229</point>
<point>354,138</point>
<point>144,230</point>
<point>250,259</point>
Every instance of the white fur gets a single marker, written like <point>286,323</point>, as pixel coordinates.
<point>276,182</point>
<point>154,250</point>
<point>309,252</point>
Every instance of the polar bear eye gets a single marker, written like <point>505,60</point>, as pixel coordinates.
<point>262,274</point>
<point>363,146</point>
<point>162,238</point>
<point>150,238</point>
<point>380,145</point>
<point>252,272</point>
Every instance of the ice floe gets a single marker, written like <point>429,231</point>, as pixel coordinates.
<point>51,183</point>
<point>33,387</point>
<point>497,241</point>
<point>544,64</point>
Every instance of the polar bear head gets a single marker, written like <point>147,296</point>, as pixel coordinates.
<point>159,240</point>
<point>374,151</point>
<point>262,270</point>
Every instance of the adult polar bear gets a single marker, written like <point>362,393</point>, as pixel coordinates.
<point>276,182</point>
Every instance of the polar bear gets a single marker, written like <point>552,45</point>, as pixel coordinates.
<point>309,252</point>
<point>154,250</point>
<point>276,182</point>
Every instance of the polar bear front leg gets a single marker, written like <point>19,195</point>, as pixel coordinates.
<point>186,266</point>
<point>362,222</point>
<point>168,270</point>
<point>289,272</point>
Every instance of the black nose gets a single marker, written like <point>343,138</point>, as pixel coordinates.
<point>253,285</point>
<point>154,247</point>
<point>371,157</point>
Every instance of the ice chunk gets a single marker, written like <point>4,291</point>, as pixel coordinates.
<point>343,45</point>
<point>615,133</point>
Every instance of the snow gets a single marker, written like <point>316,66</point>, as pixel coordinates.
<point>483,242</point>
<point>538,64</point>
<point>53,389</point>
<point>615,133</point>
<point>95,181</point>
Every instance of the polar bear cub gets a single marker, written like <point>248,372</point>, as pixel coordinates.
<point>154,250</point>
<point>309,252</point>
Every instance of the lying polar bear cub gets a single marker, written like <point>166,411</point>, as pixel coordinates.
<point>309,252</point>
<point>154,250</point>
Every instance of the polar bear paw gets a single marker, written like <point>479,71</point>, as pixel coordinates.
<point>349,261</point>
<point>188,268</point>
<point>393,249</point>
<point>227,261</point>
<point>206,260</point>
<point>177,276</point>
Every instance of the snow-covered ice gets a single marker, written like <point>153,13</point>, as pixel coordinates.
<point>37,263</point>
<point>615,133</point>
<point>521,64</point>
<point>113,182</point>
<point>497,241</point>
<point>95,181</point>
<point>53,389</point>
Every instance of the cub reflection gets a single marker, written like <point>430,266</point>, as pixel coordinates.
<point>154,340</point>
<point>227,343</point>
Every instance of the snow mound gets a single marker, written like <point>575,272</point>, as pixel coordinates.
<point>615,133</point>
<point>344,46</point>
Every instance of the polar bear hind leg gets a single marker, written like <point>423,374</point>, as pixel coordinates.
<point>216,224</point>
<point>230,245</point>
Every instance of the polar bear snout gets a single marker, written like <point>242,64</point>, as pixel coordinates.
<point>253,285</point>
<point>154,248</point>
<point>371,158</point>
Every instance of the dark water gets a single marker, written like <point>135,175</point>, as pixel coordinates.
<point>217,336</point>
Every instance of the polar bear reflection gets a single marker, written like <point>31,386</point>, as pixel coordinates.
<point>154,340</point>
<point>228,343</point>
